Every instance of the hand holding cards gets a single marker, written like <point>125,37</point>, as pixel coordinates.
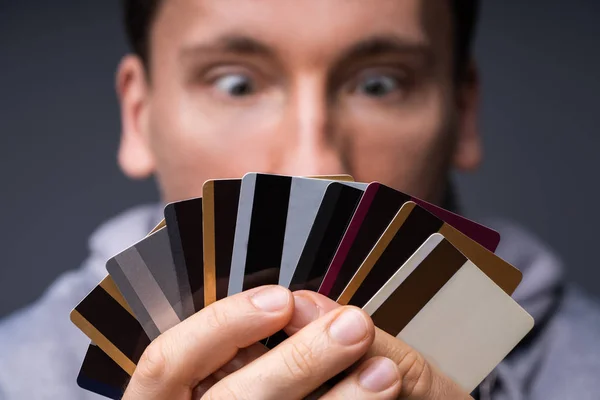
<point>425,275</point>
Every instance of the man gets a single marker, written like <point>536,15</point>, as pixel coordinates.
<point>382,89</point>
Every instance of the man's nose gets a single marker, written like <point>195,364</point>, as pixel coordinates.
<point>311,145</point>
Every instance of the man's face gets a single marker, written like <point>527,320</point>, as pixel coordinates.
<point>311,87</point>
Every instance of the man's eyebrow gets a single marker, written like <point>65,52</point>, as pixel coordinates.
<point>235,44</point>
<point>379,45</point>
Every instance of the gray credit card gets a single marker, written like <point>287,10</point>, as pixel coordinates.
<point>146,277</point>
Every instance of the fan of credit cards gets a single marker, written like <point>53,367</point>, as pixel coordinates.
<point>424,274</point>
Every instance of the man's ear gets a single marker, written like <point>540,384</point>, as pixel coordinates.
<point>135,155</point>
<point>468,151</point>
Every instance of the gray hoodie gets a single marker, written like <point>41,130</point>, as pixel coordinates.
<point>41,351</point>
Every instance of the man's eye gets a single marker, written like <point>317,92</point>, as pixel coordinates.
<point>377,85</point>
<point>235,85</point>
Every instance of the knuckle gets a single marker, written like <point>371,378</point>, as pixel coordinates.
<point>152,367</point>
<point>416,375</point>
<point>217,317</point>
<point>299,360</point>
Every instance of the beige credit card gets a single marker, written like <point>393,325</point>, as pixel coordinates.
<point>445,307</point>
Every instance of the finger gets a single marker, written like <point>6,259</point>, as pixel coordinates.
<point>242,358</point>
<point>375,379</point>
<point>420,380</point>
<point>303,362</point>
<point>308,306</point>
<point>186,354</point>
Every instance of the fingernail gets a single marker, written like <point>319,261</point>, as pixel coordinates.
<point>379,376</point>
<point>349,327</point>
<point>305,312</point>
<point>270,299</point>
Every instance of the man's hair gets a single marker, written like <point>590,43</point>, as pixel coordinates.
<point>465,16</point>
<point>140,15</point>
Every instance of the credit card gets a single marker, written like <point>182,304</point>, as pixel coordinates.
<point>105,317</point>
<point>130,343</point>
<point>376,209</point>
<point>306,196</point>
<point>411,226</point>
<point>330,224</point>
<point>374,213</point>
<point>184,227</point>
<point>440,290</point>
<point>259,231</point>
<point>487,237</point>
<point>145,275</point>
<point>101,375</point>
<point>337,178</point>
<point>221,201</point>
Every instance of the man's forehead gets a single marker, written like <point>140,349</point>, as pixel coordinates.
<point>294,24</point>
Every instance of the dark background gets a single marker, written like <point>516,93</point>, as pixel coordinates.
<point>59,130</point>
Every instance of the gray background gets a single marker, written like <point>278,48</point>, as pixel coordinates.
<point>59,129</point>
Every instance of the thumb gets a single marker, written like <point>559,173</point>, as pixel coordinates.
<point>308,307</point>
